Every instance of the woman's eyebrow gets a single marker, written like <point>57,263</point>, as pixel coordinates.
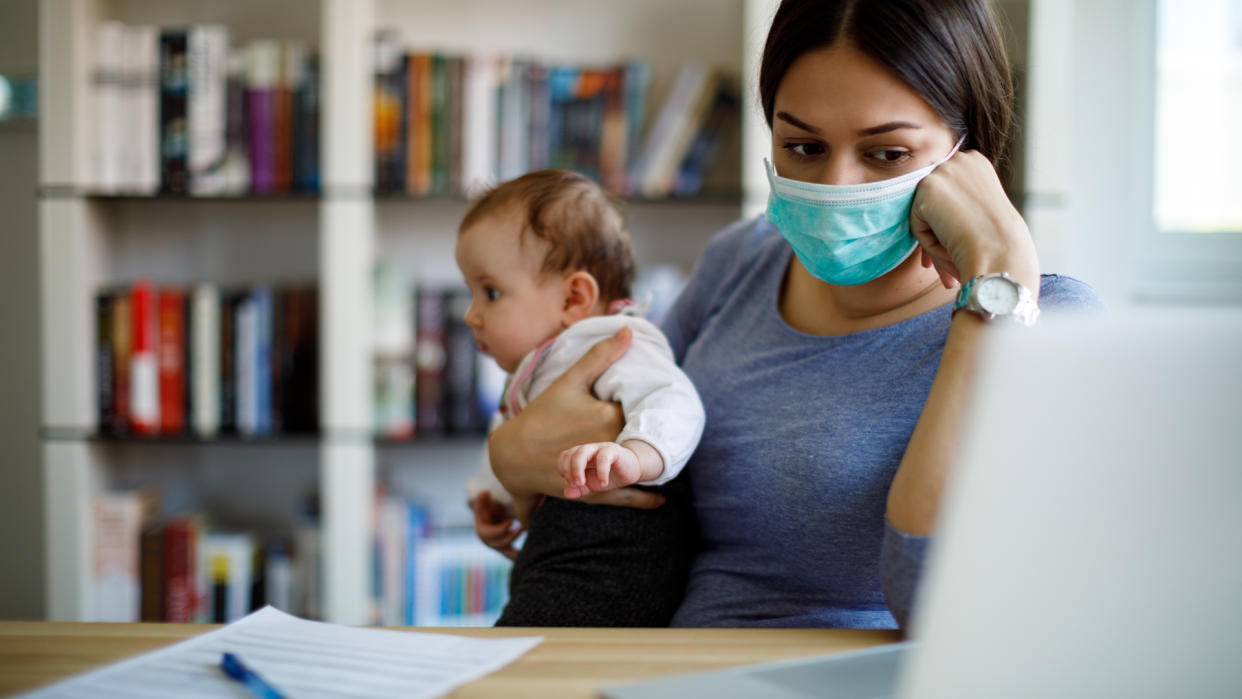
<point>786,116</point>
<point>886,128</point>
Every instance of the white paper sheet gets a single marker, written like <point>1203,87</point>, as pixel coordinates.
<point>302,659</point>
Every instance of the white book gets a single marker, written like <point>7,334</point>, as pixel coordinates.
<point>394,534</point>
<point>245,358</point>
<point>479,130</point>
<point>513,156</point>
<point>109,88</point>
<point>228,569</point>
<point>278,577</point>
<point>115,579</point>
<point>140,143</point>
<point>207,107</point>
<point>307,571</point>
<point>663,147</point>
<point>205,360</point>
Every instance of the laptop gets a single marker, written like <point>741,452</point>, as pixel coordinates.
<point>1091,539</point>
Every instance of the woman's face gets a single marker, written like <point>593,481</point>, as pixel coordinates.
<point>841,117</point>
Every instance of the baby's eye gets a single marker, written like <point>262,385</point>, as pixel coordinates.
<point>492,294</point>
<point>805,150</point>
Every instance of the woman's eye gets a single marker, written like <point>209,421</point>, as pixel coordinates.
<point>890,157</point>
<point>805,150</point>
<point>492,294</point>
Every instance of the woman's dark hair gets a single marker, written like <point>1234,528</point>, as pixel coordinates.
<point>948,51</point>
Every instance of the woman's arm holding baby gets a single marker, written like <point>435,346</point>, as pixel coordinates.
<point>525,449</point>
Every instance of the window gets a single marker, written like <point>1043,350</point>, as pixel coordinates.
<point>1193,250</point>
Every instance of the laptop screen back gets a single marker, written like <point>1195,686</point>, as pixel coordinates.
<point>1090,543</point>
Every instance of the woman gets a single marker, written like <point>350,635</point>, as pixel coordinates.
<point>823,340</point>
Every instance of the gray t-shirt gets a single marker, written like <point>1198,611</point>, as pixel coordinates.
<point>804,434</point>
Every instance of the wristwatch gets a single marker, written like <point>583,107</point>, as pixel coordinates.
<point>997,296</point>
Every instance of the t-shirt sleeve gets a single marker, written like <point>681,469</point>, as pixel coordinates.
<point>902,557</point>
<point>1059,294</point>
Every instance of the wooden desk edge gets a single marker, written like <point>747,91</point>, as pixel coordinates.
<point>570,662</point>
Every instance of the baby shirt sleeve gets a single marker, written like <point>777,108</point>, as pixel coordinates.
<point>660,404</point>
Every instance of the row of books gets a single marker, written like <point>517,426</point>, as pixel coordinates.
<point>179,569</point>
<point>148,567</point>
<point>171,361</point>
<point>178,110</point>
<point>425,577</point>
<point>430,377</point>
<point>450,124</point>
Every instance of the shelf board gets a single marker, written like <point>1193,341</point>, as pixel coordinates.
<point>295,439</point>
<point>715,198</point>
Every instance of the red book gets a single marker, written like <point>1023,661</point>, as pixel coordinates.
<point>171,361</point>
<point>180,571</point>
<point>144,407</point>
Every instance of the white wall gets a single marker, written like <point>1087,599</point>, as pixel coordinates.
<point>21,489</point>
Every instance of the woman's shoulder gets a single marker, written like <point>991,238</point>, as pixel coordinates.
<point>745,235</point>
<point>1061,292</point>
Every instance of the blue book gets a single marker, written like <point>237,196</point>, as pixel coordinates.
<point>263,360</point>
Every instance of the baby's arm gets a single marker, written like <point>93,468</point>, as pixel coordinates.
<point>603,466</point>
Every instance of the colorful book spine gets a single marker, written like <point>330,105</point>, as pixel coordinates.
<point>262,83</point>
<point>236,169</point>
<point>245,358</point>
<point>174,91</point>
<point>292,62</point>
<point>122,357</point>
<point>205,363</point>
<point>207,108</point>
<point>418,124</point>
<point>115,577</point>
<point>263,361</point>
<point>105,377</point>
<point>144,402</point>
<point>306,128</point>
<point>171,351</point>
<point>429,363</point>
<point>461,405</point>
<point>151,564</point>
<point>181,588</point>
<point>110,86</point>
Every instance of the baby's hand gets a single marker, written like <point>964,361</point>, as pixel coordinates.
<point>597,467</point>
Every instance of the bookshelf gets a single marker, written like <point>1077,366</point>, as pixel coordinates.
<point>91,240</point>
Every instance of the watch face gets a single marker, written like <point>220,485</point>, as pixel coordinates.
<point>997,295</point>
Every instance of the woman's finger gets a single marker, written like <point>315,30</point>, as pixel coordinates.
<point>627,497</point>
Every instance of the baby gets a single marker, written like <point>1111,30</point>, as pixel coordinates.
<point>548,262</point>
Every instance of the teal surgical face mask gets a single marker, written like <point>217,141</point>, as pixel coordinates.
<point>847,234</point>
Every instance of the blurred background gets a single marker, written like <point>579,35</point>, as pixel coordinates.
<point>252,205</point>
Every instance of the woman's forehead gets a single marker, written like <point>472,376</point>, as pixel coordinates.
<point>840,88</point>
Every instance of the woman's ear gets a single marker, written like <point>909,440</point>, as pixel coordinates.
<point>581,297</point>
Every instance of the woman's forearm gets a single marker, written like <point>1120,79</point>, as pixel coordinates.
<point>523,451</point>
<point>915,495</point>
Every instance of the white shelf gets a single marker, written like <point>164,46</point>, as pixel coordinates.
<point>89,241</point>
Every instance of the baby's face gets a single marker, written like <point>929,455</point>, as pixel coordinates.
<point>513,308</point>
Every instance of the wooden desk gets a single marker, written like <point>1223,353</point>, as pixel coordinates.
<point>569,662</point>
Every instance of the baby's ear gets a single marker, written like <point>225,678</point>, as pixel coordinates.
<point>581,297</point>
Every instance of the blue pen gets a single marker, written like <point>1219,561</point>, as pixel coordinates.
<point>234,668</point>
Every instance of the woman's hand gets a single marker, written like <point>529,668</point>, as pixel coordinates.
<point>524,450</point>
<point>966,225</point>
<point>494,524</point>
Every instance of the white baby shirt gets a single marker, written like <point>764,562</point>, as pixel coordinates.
<point>660,404</point>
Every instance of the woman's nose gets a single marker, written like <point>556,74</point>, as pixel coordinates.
<point>841,169</point>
